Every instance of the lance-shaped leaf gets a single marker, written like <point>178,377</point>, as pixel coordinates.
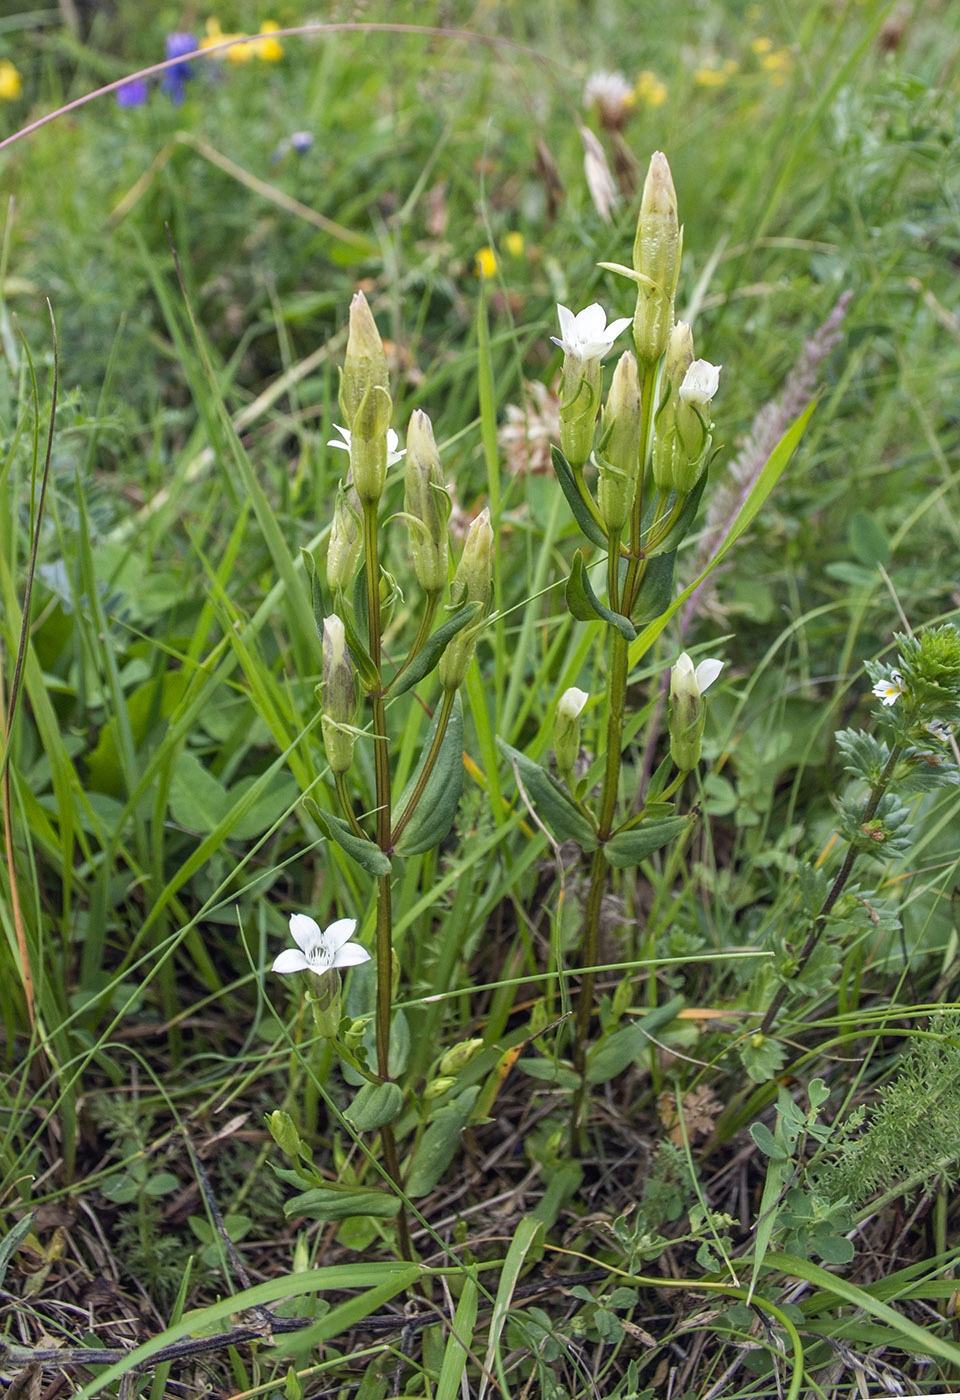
<point>684,522</point>
<point>434,814</point>
<point>552,805</point>
<point>585,605</point>
<point>432,649</point>
<point>316,589</point>
<point>581,511</point>
<point>656,590</point>
<point>364,852</point>
<point>336,1202</point>
<point>629,848</point>
<point>439,1143</point>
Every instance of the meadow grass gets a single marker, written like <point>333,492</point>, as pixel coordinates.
<point>745,1215</point>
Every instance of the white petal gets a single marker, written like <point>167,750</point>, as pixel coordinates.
<point>304,931</point>
<point>707,672</point>
<point>683,665</point>
<point>592,322</point>
<point>345,434</point>
<point>350,955</point>
<point>700,383</point>
<point>290,960</point>
<point>615,327</point>
<point>339,932</point>
<point>567,322</point>
<point>572,702</point>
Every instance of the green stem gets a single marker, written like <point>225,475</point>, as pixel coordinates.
<point>836,889</point>
<point>446,709</point>
<point>632,584</point>
<point>381,768</point>
<point>587,497</point>
<point>346,805</point>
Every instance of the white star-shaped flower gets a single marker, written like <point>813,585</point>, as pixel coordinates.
<point>702,677</point>
<point>700,383</point>
<point>587,334</point>
<point>319,949</point>
<point>889,692</point>
<point>393,443</point>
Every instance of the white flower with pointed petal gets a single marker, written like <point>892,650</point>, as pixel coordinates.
<point>700,383</point>
<point>889,692</point>
<point>587,334</point>
<point>393,443</point>
<point>319,949</point>
<point>702,677</point>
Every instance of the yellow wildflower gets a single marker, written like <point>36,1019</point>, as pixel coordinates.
<point>11,84</point>
<point>780,61</point>
<point>240,53</point>
<point>761,44</point>
<point>709,77</point>
<point>269,49</point>
<point>651,89</point>
<point>513,242</point>
<point>486,263</point>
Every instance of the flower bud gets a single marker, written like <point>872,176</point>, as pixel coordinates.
<point>459,1056</point>
<point>346,540</point>
<point>693,423</point>
<point>438,1086</point>
<point>566,728</point>
<point>369,446</point>
<point>687,709</point>
<point>338,696</point>
<point>324,999</point>
<point>471,584</point>
<point>584,339</point>
<point>365,363</point>
<point>621,439</point>
<point>666,448</point>
<point>284,1133</point>
<point>426,504</point>
<point>656,258</point>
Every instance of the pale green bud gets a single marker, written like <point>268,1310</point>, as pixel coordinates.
<point>621,438</point>
<point>301,1253</point>
<point>699,385</point>
<point>338,695</point>
<point>284,1133</point>
<point>438,1086</point>
<point>346,540</point>
<point>459,1056</point>
<point>427,503</point>
<point>471,584</point>
<point>365,363</point>
<point>566,728</point>
<point>324,999</point>
<point>369,444</point>
<point>687,709</point>
<point>666,445</point>
<point>656,257</point>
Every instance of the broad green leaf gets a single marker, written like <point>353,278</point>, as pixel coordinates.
<point>552,805</point>
<point>628,848</point>
<point>364,852</point>
<point>12,1241</point>
<point>684,522</point>
<point>358,650</point>
<point>656,590</point>
<point>575,501</point>
<point>336,1202</point>
<point>439,1144</point>
<point>197,799</point>
<point>374,1105</point>
<point>429,654</point>
<point>435,812</point>
<point>624,1046</point>
<point>587,607</point>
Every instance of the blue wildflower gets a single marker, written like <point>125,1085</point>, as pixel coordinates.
<point>175,77</point>
<point>301,141</point>
<point>132,94</point>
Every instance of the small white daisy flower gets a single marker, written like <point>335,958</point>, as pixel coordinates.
<point>319,949</point>
<point>889,692</point>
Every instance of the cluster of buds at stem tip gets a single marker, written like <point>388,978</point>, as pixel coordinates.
<point>621,440</point>
<point>566,730</point>
<point>338,696</point>
<point>682,430</point>
<point>365,401</point>
<point>426,505</point>
<point>688,711</point>
<point>471,584</point>
<point>584,339</point>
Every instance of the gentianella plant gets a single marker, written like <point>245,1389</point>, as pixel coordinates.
<point>352,600</point>
<point>649,441</point>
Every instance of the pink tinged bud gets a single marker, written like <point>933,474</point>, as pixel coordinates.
<point>656,258</point>
<point>338,696</point>
<point>426,504</point>
<point>621,439</point>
